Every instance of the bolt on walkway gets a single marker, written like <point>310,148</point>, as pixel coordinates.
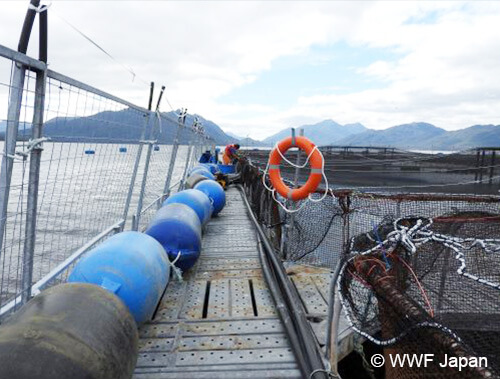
<point>220,322</point>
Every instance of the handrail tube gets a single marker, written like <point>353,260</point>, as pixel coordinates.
<point>162,196</point>
<point>42,283</point>
<point>73,82</point>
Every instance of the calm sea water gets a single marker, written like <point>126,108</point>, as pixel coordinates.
<point>79,196</point>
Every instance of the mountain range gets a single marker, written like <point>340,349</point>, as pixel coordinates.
<point>326,132</point>
<point>416,135</point>
<point>109,126</point>
<point>424,136</point>
<point>119,126</point>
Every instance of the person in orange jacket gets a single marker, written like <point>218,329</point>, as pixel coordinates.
<point>230,153</point>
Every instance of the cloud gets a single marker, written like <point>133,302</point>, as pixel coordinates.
<point>445,67</point>
<point>447,71</point>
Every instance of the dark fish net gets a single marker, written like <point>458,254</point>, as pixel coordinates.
<point>421,286</point>
<point>433,286</point>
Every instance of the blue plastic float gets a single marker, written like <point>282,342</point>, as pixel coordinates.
<point>131,265</point>
<point>198,168</point>
<point>214,169</point>
<point>123,149</point>
<point>203,171</point>
<point>178,229</point>
<point>90,152</point>
<point>198,201</point>
<point>215,192</point>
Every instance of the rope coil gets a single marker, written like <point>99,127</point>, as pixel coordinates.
<point>411,237</point>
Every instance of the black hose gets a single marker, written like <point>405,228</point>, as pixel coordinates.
<point>151,91</point>
<point>22,47</point>
<point>42,45</point>
<point>283,310</point>
<point>307,341</point>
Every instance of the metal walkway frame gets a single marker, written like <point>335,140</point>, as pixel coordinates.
<point>221,320</point>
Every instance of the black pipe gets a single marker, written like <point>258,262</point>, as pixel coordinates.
<point>42,45</point>
<point>303,326</point>
<point>151,91</point>
<point>22,47</point>
<point>283,310</point>
<point>308,346</point>
<point>159,98</point>
<point>492,166</point>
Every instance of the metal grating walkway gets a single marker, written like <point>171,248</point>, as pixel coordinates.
<point>220,322</point>
<point>313,286</point>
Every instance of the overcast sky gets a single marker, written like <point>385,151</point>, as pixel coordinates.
<point>257,67</point>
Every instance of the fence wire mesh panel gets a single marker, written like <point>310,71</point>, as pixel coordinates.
<point>17,93</point>
<point>153,193</point>
<point>83,181</point>
<point>104,160</point>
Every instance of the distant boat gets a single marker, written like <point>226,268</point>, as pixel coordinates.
<point>123,149</point>
<point>156,148</point>
<point>90,152</point>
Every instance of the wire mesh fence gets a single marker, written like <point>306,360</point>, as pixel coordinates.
<point>13,187</point>
<point>98,150</point>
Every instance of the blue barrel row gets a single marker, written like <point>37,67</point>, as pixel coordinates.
<point>87,328</point>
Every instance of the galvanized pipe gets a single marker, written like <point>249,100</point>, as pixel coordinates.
<point>135,224</point>
<point>334,307</point>
<point>33,181</point>
<point>15,102</point>
<point>35,153</point>
<point>45,281</point>
<point>173,155</point>
<point>186,166</point>
<point>492,166</point>
<point>290,226</point>
<point>13,113</point>
<point>137,158</point>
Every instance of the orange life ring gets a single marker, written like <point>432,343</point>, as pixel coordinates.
<point>315,161</point>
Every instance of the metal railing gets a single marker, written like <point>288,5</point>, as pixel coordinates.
<point>73,171</point>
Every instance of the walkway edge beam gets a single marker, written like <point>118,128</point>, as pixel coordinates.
<point>307,341</point>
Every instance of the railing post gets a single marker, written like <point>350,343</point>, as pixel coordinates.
<point>483,153</point>
<point>15,101</point>
<point>492,166</point>
<point>33,181</point>
<point>290,226</point>
<point>13,113</point>
<point>180,124</point>
<point>35,150</point>
<point>476,176</point>
<point>135,225</point>
<point>137,159</point>
<point>192,142</point>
